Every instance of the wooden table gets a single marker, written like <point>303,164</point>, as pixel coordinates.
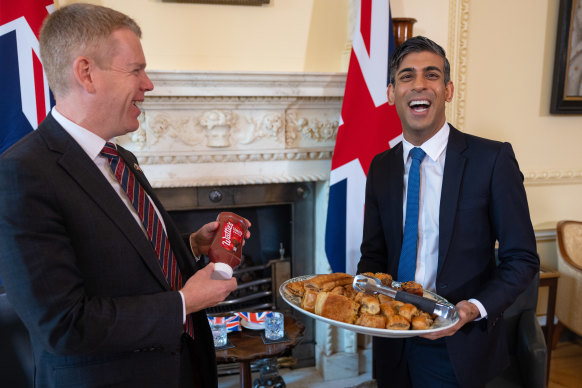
<point>549,278</point>
<point>249,346</point>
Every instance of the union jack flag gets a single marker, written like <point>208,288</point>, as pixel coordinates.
<point>254,317</point>
<point>232,322</point>
<point>25,98</point>
<point>368,126</point>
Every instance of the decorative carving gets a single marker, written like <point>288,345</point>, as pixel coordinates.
<point>457,51</point>
<point>270,126</point>
<point>312,129</point>
<point>217,125</point>
<point>163,125</point>
<point>176,181</point>
<point>161,158</point>
<point>552,177</point>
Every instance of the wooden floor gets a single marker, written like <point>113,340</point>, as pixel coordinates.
<point>566,365</point>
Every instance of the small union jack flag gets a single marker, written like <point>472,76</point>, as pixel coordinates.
<point>232,322</point>
<point>254,317</point>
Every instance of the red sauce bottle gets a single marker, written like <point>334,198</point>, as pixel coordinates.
<point>226,249</point>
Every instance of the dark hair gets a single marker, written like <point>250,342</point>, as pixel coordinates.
<point>415,45</point>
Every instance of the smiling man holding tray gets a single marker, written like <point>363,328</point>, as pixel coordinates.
<point>467,193</point>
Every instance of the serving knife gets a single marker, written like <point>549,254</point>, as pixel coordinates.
<point>372,285</point>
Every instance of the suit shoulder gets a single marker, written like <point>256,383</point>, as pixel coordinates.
<point>483,142</point>
<point>468,145</point>
<point>24,148</point>
<point>388,154</point>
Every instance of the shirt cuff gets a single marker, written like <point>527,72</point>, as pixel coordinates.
<point>183,308</point>
<point>482,310</point>
<point>196,257</point>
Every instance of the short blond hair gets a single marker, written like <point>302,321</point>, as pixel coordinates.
<point>74,30</point>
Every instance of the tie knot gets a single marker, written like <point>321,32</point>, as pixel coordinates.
<point>417,153</point>
<point>109,150</point>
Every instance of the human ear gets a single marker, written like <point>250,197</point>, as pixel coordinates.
<point>449,91</point>
<point>390,94</point>
<point>83,73</point>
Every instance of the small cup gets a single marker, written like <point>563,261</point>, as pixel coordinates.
<point>219,334</point>
<point>274,327</point>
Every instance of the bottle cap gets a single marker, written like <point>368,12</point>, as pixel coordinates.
<point>222,271</point>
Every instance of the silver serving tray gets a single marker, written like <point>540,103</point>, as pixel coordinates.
<point>438,325</point>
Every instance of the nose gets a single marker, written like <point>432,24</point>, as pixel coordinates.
<point>419,84</point>
<point>147,84</point>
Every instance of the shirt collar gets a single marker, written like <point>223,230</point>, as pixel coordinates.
<point>91,143</point>
<point>434,147</point>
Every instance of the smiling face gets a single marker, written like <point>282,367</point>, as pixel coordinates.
<point>419,94</point>
<point>120,84</point>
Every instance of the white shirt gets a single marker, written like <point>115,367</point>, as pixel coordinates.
<point>92,144</point>
<point>432,170</point>
<point>431,180</point>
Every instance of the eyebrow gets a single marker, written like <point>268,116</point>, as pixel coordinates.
<point>428,68</point>
<point>140,65</point>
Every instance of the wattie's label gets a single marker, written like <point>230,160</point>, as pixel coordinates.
<point>231,236</point>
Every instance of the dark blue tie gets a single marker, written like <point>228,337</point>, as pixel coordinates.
<point>407,265</point>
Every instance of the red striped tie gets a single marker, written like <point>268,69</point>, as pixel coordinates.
<point>150,220</point>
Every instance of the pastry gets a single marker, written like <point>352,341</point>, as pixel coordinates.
<point>333,296</point>
<point>408,311</point>
<point>384,299</point>
<point>421,322</point>
<point>296,288</point>
<point>384,278</point>
<point>349,291</point>
<point>397,322</point>
<point>358,296</point>
<point>387,310</point>
<point>336,307</point>
<point>309,298</point>
<point>369,305</point>
<point>340,290</point>
<point>413,288</point>
<point>375,321</point>
<point>328,281</point>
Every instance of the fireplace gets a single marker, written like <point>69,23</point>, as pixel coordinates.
<point>259,144</point>
<point>281,244</point>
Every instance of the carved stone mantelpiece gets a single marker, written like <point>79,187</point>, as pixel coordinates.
<point>201,129</point>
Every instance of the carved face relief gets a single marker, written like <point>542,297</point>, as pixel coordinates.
<point>218,136</point>
<point>217,124</point>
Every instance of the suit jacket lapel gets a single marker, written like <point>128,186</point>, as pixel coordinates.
<point>82,169</point>
<point>395,194</point>
<point>174,236</point>
<point>452,178</point>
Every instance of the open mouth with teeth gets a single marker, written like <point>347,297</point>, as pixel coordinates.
<point>419,105</point>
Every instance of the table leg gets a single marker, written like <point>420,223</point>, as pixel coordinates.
<point>245,374</point>
<point>551,311</point>
<point>552,284</point>
<point>550,321</point>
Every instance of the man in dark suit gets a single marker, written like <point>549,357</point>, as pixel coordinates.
<point>81,265</point>
<point>471,195</point>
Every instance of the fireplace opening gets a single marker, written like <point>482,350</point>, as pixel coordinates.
<point>266,255</point>
<point>281,244</point>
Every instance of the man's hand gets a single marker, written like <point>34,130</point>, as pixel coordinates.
<point>200,291</point>
<point>201,240</point>
<point>468,312</point>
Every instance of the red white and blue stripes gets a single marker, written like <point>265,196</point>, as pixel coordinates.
<point>149,218</point>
